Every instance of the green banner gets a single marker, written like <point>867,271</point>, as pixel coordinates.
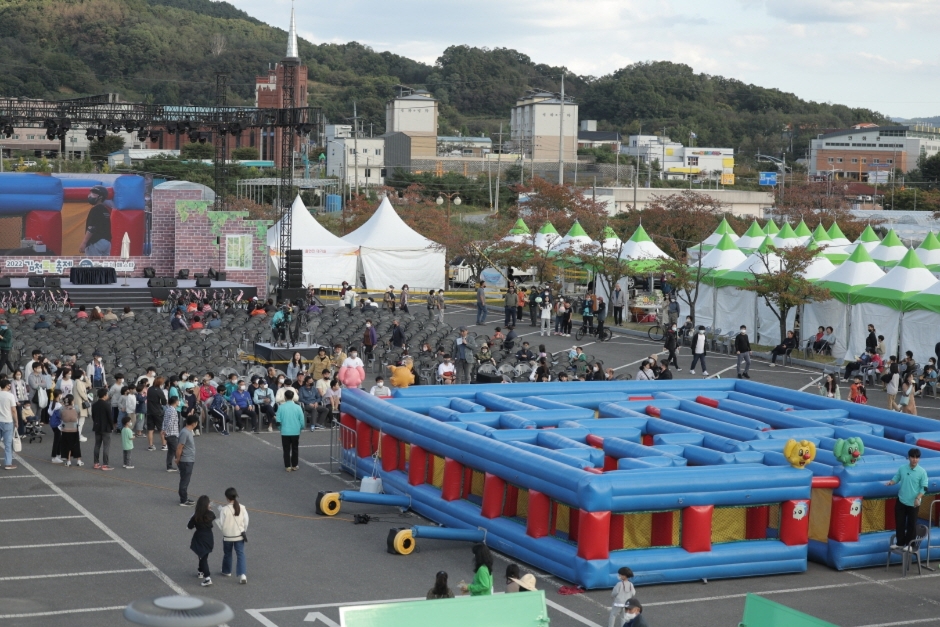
<point>759,612</point>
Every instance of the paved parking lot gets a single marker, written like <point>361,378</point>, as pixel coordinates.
<point>77,545</point>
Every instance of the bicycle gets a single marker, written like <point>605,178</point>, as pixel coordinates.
<point>656,332</point>
<point>583,330</point>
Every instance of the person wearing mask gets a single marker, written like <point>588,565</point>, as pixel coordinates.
<point>699,350</point>
<point>601,316</point>
<point>671,344</point>
<point>233,523</point>
<point>912,481</point>
<point>243,404</point>
<point>597,374</point>
<point>321,362</point>
<point>9,422</point>
<point>170,431</point>
<point>871,340</point>
<point>291,418</point>
<point>672,311</point>
<point>645,373</point>
<point>115,392</point>
<point>352,372</point>
<point>665,374</point>
<point>906,395</point>
<point>482,583</point>
<point>83,400</point>
<point>65,384</point>
<point>403,298</point>
<point>218,411</point>
<point>440,589</point>
<point>633,614</point>
<point>264,402</point>
<point>398,335</point>
<point>742,348</point>
<point>6,345</point>
<point>618,300</point>
<point>622,592</point>
<point>510,342</point>
<point>510,302</point>
<point>369,340</point>
<point>203,540</point>
<point>309,400</point>
<point>545,317</point>
<point>464,352</point>
<point>103,424</point>
<point>525,353</point>
<point>390,299</point>
<point>788,344</point>
<point>379,388</point>
<point>69,447</point>
<point>892,381</point>
<point>880,347</point>
<point>338,357</point>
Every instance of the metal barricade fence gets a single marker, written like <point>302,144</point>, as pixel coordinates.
<point>343,446</point>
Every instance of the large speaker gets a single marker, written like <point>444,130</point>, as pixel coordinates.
<point>4,281</point>
<point>183,274</point>
<point>486,377</point>
<point>295,269</point>
<point>203,282</point>
<point>36,281</point>
<point>219,276</point>
<point>149,272</point>
<point>169,281</point>
<point>53,281</point>
<point>155,282</point>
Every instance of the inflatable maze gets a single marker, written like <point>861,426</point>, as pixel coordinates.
<point>679,480</point>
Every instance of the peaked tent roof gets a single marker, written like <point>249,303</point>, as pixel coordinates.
<point>575,238</point>
<point>724,256</point>
<point>868,239</point>
<point>771,228</point>
<point>837,236</point>
<point>306,232</point>
<point>929,252</point>
<point>895,289</point>
<point>640,246</point>
<point>819,268</point>
<point>386,230</point>
<point>820,235</point>
<point>752,238</point>
<point>929,299</point>
<point>611,241</point>
<point>518,234</point>
<point>547,237</point>
<point>723,229</point>
<point>802,231</point>
<point>890,251</point>
<point>855,273</point>
<point>754,263</point>
<point>786,238</point>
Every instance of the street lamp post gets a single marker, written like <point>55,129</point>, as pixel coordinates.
<point>455,197</point>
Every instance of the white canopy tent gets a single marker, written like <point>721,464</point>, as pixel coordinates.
<point>327,258</point>
<point>392,253</point>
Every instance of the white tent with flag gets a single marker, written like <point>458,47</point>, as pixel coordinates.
<point>883,302</point>
<point>392,253</point>
<point>856,273</point>
<point>328,260</point>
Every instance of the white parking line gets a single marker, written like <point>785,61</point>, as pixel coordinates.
<point>916,621</point>
<point>28,496</point>
<point>6,520</point>
<point>63,612</point>
<point>85,574</point>
<point>52,544</point>
<point>17,477</point>
<point>764,593</point>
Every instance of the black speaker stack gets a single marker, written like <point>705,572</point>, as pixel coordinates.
<point>295,269</point>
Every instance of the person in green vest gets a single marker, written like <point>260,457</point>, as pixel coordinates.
<point>482,583</point>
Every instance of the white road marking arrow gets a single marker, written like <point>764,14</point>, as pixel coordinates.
<point>313,617</point>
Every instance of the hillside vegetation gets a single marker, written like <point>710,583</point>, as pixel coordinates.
<point>169,51</point>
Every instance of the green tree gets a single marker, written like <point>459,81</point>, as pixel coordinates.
<point>99,149</point>
<point>245,153</point>
<point>686,278</point>
<point>197,150</point>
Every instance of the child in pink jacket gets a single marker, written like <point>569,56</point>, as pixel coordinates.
<point>352,373</point>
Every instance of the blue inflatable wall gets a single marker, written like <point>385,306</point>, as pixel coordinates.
<point>679,480</point>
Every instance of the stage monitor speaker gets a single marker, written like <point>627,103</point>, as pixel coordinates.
<point>183,274</point>
<point>199,275</point>
<point>169,281</point>
<point>53,281</point>
<point>485,377</point>
<point>155,282</point>
<point>36,281</point>
<point>219,276</point>
<point>203,282</point>
<point>149,272</point>
<point>4,281</point>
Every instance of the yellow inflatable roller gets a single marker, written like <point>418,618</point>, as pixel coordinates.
<point>328,503</point>
<point>403,541</point>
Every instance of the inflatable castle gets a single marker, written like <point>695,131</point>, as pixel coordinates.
<point>679,480</point>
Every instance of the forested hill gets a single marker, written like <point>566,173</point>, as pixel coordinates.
<point>169,51</point>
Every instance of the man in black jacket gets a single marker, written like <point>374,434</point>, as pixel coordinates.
<point>742,347</point>
<point>872,340</point>
<point>103,424</point>
<point>398,336</point>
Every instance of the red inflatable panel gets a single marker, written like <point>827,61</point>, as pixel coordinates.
<point>536,524</point>
<point>453,477</point>
<point>349,422</point>
<point>890,504</point>
<point>47,226</point>
<point>494,489</point>
<point>616,532</point>
<point>134,224</point>
<point>80,194</point>
<point>704,400</point>
<point>697,528</point>
<point>594,531</point>
<point>648,440</point>
<point>610,463</point>
<point>845,521</point>
<point>510,507</point>
<point>417,466</point>
<point>661,531</point>
<point>826,482</point>
<point>758,518</point>
<point>363,440</point>
<point>794,522</point>
<point>402,457</point>
<point>652,411</point>
<point>467,481</point>
<point>594,440</point>
<point>390,451</point>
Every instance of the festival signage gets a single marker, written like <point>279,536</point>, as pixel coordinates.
<point>60,266</point>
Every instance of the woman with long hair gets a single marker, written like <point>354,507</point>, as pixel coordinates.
<point>295,366</point>
<point>512,572</point>
<point>203,541</point>
<point>906,396</point>
<point>233,521</point>
<point>440,589</point>
<point>482,583</point>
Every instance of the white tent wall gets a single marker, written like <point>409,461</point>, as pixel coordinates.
<point>769,329</point>
<point>828,313</point>
<point>886,320</point>
<point>734,307</point>
<point>704,306</point>
<point>920,331</point>
<point>419,269</point>
<point>323,267</point>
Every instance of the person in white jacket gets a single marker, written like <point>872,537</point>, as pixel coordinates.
<point>233,521</point>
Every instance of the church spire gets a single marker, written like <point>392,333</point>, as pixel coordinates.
<point>292,52</point>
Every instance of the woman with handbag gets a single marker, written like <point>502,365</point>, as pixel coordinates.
<point>233,521</point>
<point>906,396</point>
<point>69,447</point>
<point>82,402</point>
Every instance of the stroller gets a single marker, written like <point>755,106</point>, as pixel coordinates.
<point>33,429</point>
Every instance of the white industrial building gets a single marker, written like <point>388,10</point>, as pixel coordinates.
<point>681,162</point>
<point>414,114</point>
<point>535,126</point>
<point>357,161</point>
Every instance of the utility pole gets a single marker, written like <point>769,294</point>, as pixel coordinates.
<point>499,158</point>
<point>662,165</point>
<point>561,134</point>
<point>356,146</point>
<point>489,181</point>
<point>783,180</point>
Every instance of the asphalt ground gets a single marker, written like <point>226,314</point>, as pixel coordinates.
<point>77,545</point>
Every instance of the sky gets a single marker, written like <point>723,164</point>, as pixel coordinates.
<point>862,53</point>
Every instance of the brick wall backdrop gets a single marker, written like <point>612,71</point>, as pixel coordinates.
<point>184,235</point>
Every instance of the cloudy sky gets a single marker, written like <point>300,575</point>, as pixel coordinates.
<point>869,53</point>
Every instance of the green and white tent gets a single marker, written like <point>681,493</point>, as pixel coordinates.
<point>819,267</point>
<point>771,228</point>
<point>868,239</point>
<point>802,232</point>
<point>929,252</point>
<point>733,305</point>
<point>547,238</point>
<point>890,251</point>
<point>837,236</point>
<point>752,238</point>
<point>834,253</point>
<point>518,234</point>
<point>787,238</point>
<point>820,235</point>
<point>574,241</point>
<point>723,229</point>
<point>723,257</point>
<point>641,247</point>
<point>882,302</point>
<point>610,240</point>
<point>919,325</point>
<point>856,273</point>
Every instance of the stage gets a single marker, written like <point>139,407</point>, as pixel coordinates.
<point>135,294</point>
<point>267,353</point>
